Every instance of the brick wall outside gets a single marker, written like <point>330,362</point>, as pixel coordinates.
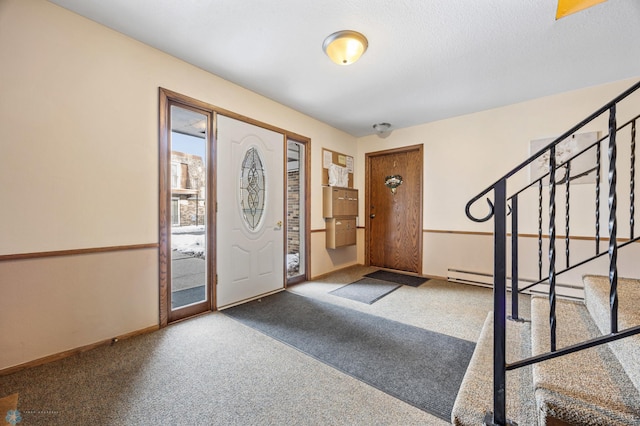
<point>188,212</point>
<point>293,212</point>
<point>192,206</point>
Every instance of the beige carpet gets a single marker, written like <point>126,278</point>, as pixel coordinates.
<point>212,370</point>
<point>458,310</point>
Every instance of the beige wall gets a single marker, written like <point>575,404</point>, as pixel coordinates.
<point>55,304</point>
<point>464,155</point>
<point>79,115</point>
<point>79,169</point>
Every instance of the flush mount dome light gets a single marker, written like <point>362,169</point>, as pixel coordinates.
<point>345,47</point>
<point>381,127</point>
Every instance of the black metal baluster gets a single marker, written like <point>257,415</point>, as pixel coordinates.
<point>632,196</point>
<point>613,246</point>
<point>566,213</point>
<point>499,304</point>
<point>499,212</point>
<point>598,154</point>
<point>552,246</point>
<point>514,258</point>
<point>540,229</point>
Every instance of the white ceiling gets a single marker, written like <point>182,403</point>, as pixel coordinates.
<point>427,59</point>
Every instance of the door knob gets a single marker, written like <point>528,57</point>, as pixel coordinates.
<point>372,216</point>
<point>279,225</point>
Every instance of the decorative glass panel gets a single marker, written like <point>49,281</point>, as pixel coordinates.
<point>252,188</point>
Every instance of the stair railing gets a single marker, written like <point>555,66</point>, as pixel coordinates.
<point>503,206</point>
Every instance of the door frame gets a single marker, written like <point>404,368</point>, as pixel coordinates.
<point>367,201</point>
<point>166,99</point>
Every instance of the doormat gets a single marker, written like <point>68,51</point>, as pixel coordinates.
<point>420,367</point>
<point>394,277</point>
<point>366,290</point>
<point>187,296</point>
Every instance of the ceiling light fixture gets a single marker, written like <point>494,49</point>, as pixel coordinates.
<point>381,127</point>
<point>345,47</point>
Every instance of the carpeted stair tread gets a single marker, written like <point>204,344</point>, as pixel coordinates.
<point>475,397</point>
<point>596,289</point>
<point>588,387</point>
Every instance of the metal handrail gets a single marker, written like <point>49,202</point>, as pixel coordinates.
<point>499,209</point>
<point>573,157</point>
<point>631,331</point>
<point>576,265</point>
<point>534,157</point>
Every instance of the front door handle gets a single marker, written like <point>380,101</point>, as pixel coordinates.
<point>372,216</point>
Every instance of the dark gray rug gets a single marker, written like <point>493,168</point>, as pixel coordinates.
<point>366,290</point>
<point>187,296</point>
<point>420,367</point>
<point>394,277</point>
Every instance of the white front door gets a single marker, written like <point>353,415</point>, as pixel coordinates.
<point>250,191</point>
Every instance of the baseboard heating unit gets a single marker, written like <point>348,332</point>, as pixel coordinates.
<point>483,279</point>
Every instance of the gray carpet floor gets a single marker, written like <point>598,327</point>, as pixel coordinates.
<point>418,366</point>
<point>212,370</point>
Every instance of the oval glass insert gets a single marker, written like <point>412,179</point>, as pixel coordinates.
<point>252,188</point>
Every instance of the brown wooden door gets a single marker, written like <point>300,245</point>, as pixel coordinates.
<point>394,221</point>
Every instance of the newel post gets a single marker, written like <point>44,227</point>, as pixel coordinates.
<point>499,303</point>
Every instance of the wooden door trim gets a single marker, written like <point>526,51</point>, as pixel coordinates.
<point>367,191</point>
<point>168,99</point>
<point>167,96</point>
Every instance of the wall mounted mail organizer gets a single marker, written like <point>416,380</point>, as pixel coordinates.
<point>339,200</point>
<point>337,169</point>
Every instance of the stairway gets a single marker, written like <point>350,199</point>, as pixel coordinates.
<point>596,386</point>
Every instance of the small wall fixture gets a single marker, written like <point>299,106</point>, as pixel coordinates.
<point>345,47</point>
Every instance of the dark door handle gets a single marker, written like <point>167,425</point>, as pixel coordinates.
<point>372,216</point>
